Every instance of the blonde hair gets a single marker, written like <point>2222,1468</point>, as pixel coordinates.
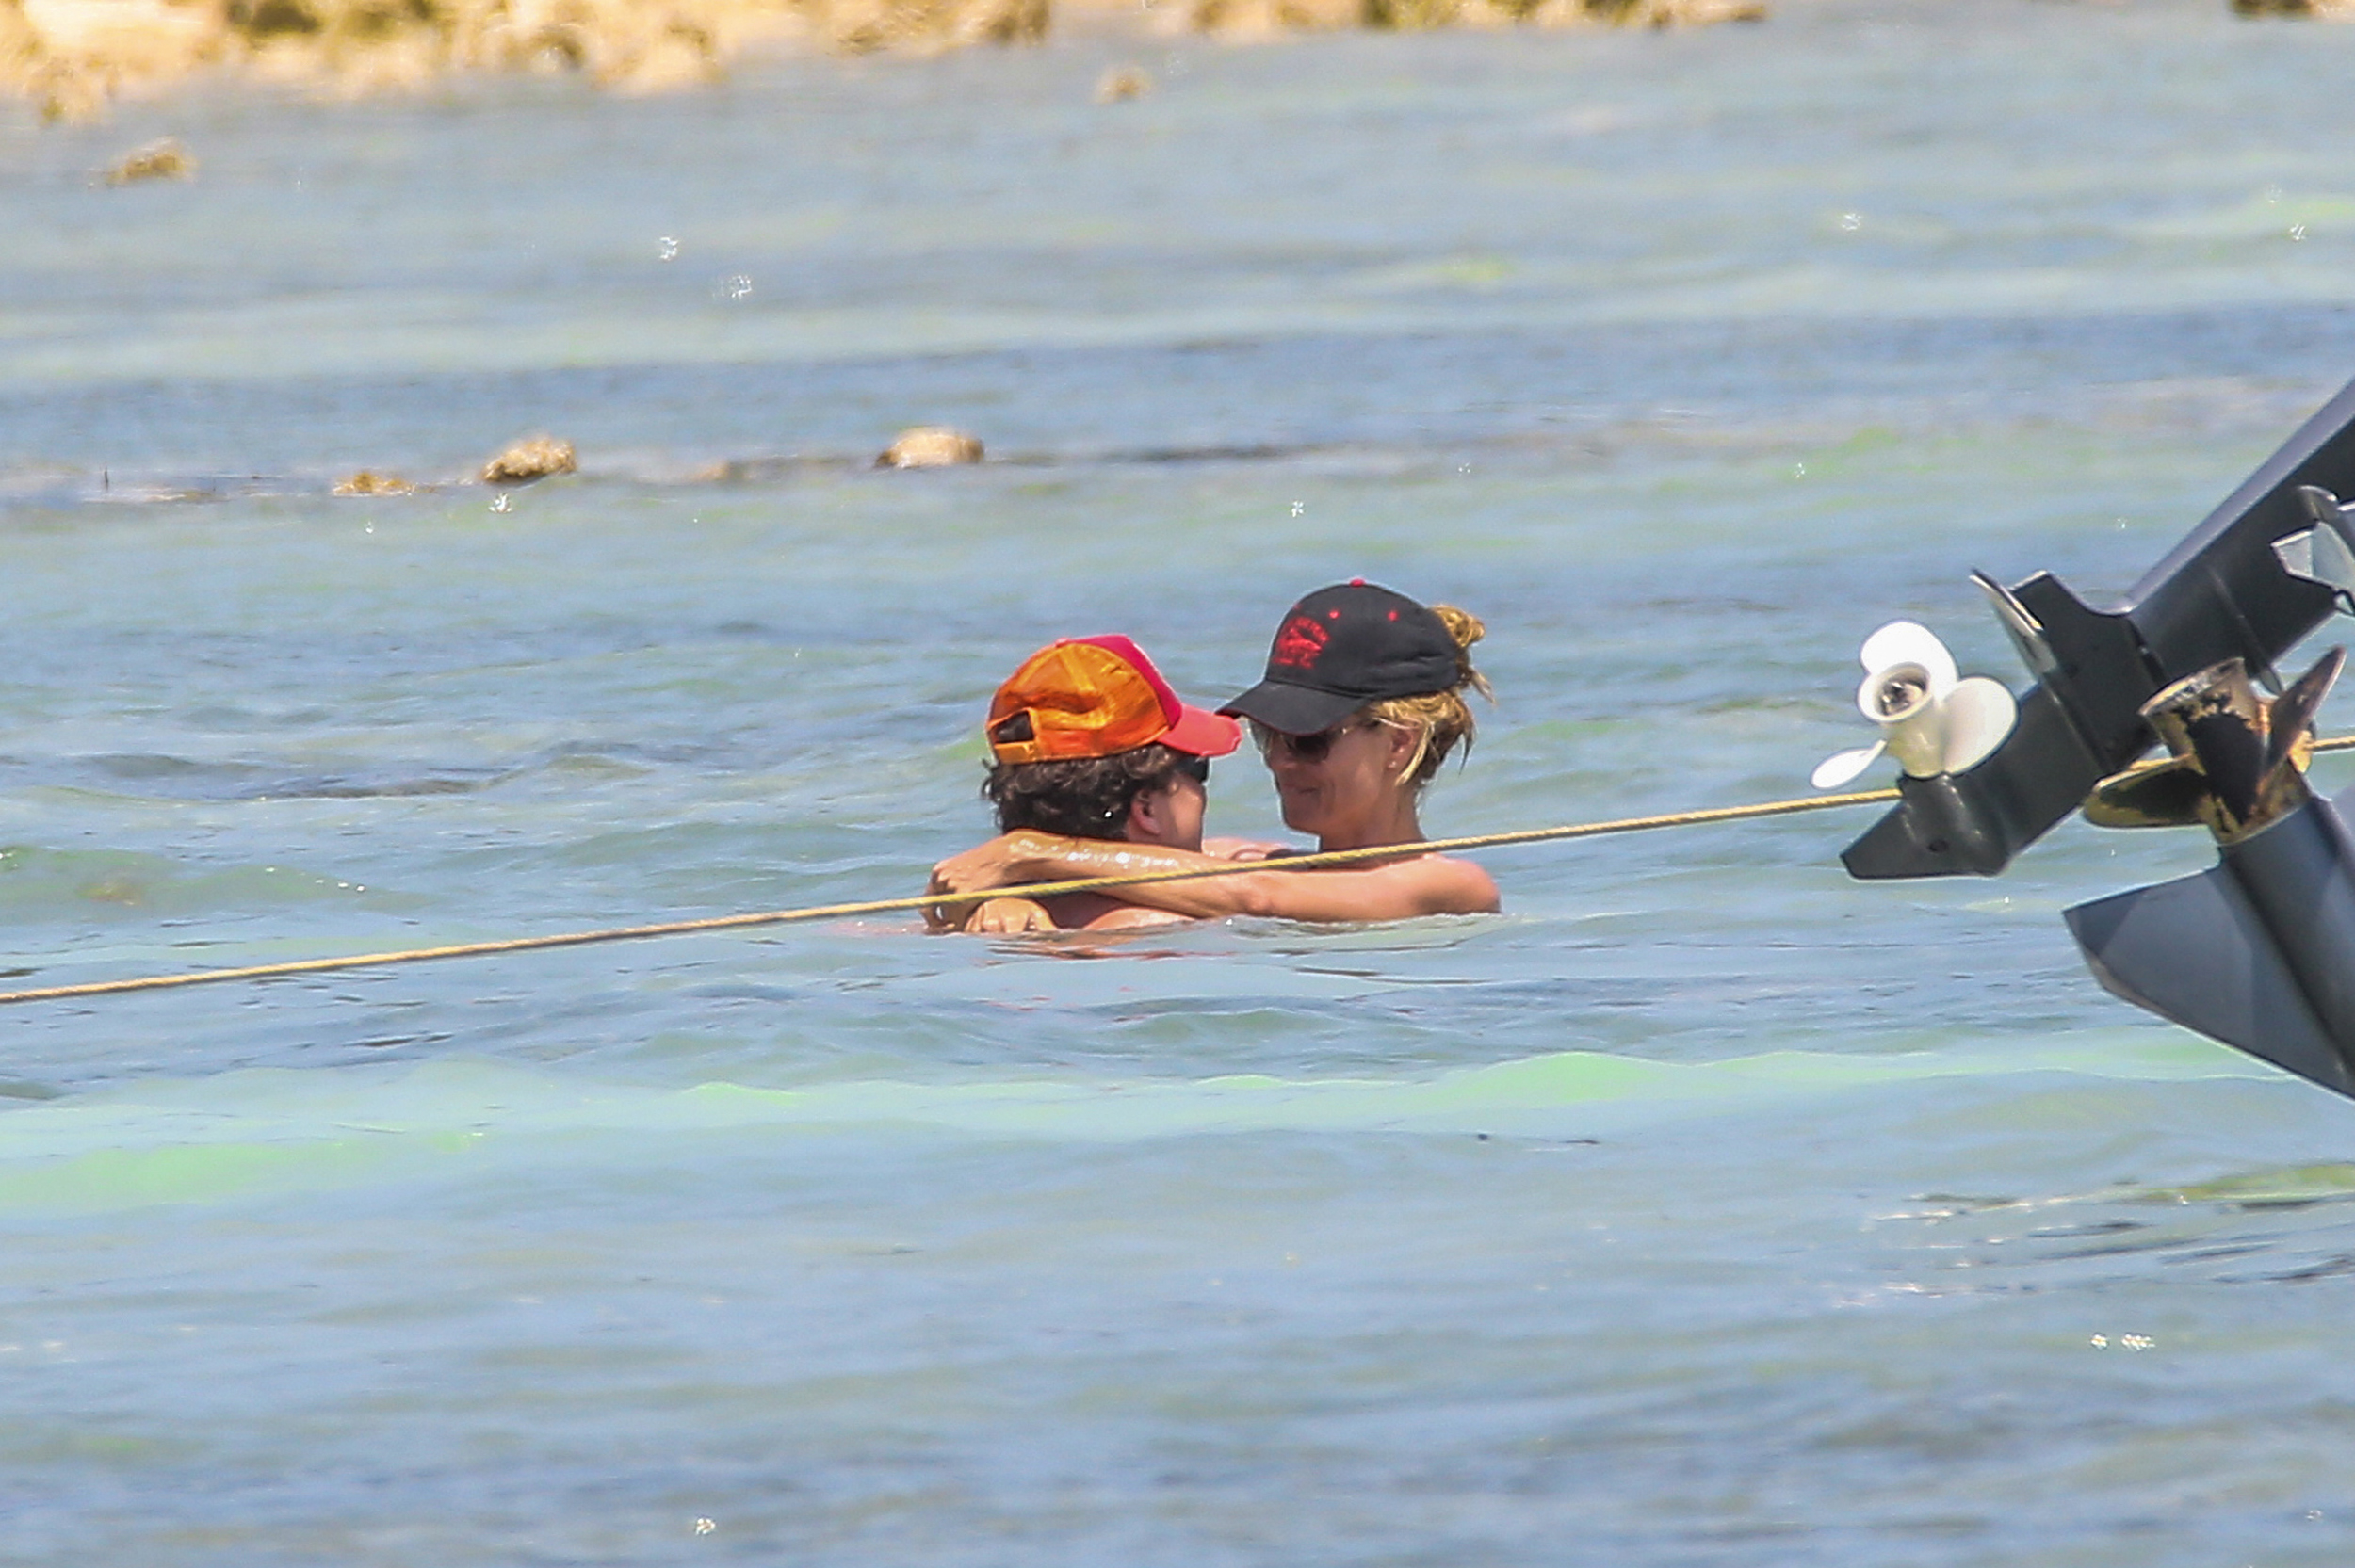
<point>1440,719</point>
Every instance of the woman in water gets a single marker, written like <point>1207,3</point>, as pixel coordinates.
<point>1363,699</point>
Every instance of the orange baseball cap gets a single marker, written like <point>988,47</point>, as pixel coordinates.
<point>1098,696</point>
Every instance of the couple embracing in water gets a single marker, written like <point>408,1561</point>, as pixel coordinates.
<point>1098,770</point>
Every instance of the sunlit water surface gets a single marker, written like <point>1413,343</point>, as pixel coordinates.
<point>1703,1208</point>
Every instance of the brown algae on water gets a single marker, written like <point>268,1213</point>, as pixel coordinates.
<point>1267,18</point>
<point>367,483</point>
<point>931,447</point>
<point>533,458</point>
<point>164,159</point>
<point>1122,84</point>
<point>72,57</point>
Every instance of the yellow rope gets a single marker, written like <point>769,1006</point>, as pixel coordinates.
<point>889,906</point>
<point>1034,890</point>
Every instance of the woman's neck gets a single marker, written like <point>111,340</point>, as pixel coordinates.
<point>1396,823</point>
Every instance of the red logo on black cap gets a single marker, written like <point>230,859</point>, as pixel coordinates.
<point>1299,643</point>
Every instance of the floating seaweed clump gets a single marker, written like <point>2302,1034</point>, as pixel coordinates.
<point>159,161</point>
<point>1249,17</point>
<point>931,447</point>
<point>71,56</point>
<point>1121,84</point>
<point>367,483</point>
<point>534,458</point>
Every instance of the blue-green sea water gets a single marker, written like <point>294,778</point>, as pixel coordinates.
<point>1703,1208</point>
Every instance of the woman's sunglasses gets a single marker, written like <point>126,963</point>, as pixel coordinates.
<point>1196,769</point>
<point>1300,747</point>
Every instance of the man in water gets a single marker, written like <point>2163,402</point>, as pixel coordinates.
<point>1087,740</point>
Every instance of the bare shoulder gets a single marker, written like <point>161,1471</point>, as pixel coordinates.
<point>1456,886</point>
<point>1246,849</point>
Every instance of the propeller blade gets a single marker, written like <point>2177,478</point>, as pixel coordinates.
<point>2152,794</point>
<point>1979,713</point>
<point>2293,712</point>
<point>1910,643</point>
<point>1839,767</point>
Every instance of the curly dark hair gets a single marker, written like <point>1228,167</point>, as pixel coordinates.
<point>1080,797</point>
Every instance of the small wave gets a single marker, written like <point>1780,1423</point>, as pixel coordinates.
<point>360,789</point>
<point>163,776</point>
<point>151,767</point>
<point>172,777</point>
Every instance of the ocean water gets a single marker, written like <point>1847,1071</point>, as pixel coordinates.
<point>1704,1208</point>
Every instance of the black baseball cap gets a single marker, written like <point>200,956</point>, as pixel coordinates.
<point>1346,646</point>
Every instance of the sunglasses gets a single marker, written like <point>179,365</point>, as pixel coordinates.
<point>1196,769</point>
<point>1300,747</point>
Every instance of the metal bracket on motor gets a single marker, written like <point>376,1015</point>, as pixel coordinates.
<point>2323,554</point>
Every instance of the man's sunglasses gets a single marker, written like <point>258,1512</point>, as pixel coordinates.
<point>1301,747</point>
<point>1196,769</point>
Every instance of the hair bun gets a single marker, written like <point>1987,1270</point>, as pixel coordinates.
<point>1466,629</point>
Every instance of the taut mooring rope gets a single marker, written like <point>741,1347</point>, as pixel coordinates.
<point>1034,890</point>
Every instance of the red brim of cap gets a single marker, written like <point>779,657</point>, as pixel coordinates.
<point>1200,734</point>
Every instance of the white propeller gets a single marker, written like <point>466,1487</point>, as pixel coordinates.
<point>1931,719</point>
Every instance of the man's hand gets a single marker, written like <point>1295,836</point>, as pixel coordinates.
<point>1010,917</point>
<point>984,867</point>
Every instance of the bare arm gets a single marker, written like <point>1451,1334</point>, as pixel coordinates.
<point>1393,890</point>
